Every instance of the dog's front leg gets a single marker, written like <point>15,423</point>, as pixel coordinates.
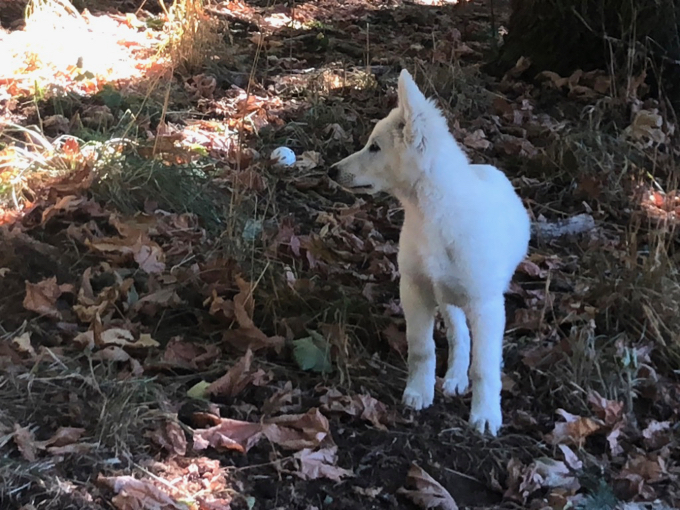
<point>418,303</point>
<point>487,324</point>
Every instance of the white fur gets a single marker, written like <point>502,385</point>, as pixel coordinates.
<point>465,231</point>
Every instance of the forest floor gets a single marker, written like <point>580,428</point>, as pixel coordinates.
<point>185,324</point>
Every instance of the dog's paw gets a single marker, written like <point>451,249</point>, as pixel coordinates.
<point>486,416</point>
<point>417,399</point>
<point>455,384</point>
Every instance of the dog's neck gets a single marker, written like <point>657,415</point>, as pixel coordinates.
<point>440,180</point>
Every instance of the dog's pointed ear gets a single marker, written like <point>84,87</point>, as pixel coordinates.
<point>413,104</point>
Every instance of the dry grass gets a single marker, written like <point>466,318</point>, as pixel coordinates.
<point>193,36</point>
<point>95,398</point>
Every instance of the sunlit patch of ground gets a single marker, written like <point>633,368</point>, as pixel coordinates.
<point>79,53</point>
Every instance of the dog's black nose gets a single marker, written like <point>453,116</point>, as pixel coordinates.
<point>333,172</point>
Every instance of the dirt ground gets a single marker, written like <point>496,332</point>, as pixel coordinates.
<point>187,325</point>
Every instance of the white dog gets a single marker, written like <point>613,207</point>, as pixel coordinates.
<point>465,232</point>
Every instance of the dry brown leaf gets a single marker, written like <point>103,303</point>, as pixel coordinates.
<point>117,336</point>
<point>320,464</point>
<point>609,411</point>
<point>220,307</point>
<point>134,494</point>
<point>646,128</point>
<point>22,343</point>
<point>170,436</point>
<point>650,467</point>
<point>112,353</point>
<point>362,406</point>
<point>613,436</point>
<point>308,160</point>
<point>64,436</point>
<point>163,298</point>
<point>477,140</point>
<point>42,297</point>
<point>148,254</point>
<point>252,338</point>
<point>532,269</point>
<point>570,457</point>
<point>542,473</point>
<point>228,435</point>
<point>85,340</point>
<point>522,64</point>
<point>428,492</point>
<point>554,79</point>
<point>238,378</point>
<point>657,434</point>
<point>25,441</point>
<point>280,400</point>
<point>298,431</point>
<point>515,146</point>
<point>248,336</point>
<point>574,430</point>
<point>189,355</point>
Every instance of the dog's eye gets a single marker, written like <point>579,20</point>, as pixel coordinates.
<point>374,147</point>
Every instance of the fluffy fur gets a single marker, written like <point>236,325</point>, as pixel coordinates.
<point>464,234</point>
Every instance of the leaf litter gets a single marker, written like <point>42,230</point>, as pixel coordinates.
<point>277,347</point>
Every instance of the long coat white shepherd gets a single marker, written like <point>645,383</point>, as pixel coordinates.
<point>465,232</point>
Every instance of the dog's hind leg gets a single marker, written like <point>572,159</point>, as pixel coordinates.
<point>487,324</point>
<point>419,307</point>
<point>458,335</point>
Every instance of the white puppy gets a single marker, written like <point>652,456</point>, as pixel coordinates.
<point>465,232</point>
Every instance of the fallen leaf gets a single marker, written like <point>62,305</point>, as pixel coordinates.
<point>657,434</point>
<point>298,431</point>
<point>42,297</point>
<point>428,492</point>
<point>228,435</point>
<point>247,335</point>
<point>22,343</point>
<point>252,338</point>
<point>169,435</point>
<point>148,254</point>
<point>477,140</point>
<point>361,406</point>
<point>199,390</point>
<point>308,160</point>
<point>280,399</point>
<point>111,353</point>
<point>189,355</point>
<point>524,480</point>
<point>63,436</point>
<point>237,378</point>
<point>570,457</point>
<point>320,464</point>
<point>25,441</point>
<point>646,128</point>
<point>117,336</point>
<point>574,430</point>
<point>610,411</point>
<point>313,353</point>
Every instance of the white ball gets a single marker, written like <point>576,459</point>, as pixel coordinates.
<point>283,156</point>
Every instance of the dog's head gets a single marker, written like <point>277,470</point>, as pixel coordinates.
<point>396,143</point>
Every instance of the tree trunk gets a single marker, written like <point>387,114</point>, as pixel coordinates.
<point>566,35</point>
